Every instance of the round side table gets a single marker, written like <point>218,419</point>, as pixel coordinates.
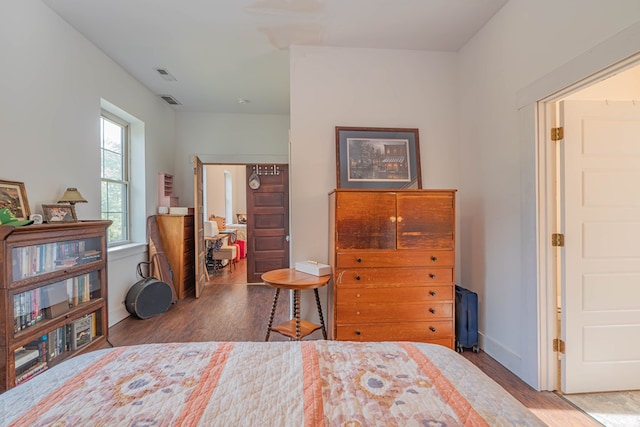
<point>291,279</point>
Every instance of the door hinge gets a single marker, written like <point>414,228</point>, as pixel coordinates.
<point>557,134</point>
<point>558,345</point>
<point>557,239</point>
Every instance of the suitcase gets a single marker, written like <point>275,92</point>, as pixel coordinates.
<point>466,320</point>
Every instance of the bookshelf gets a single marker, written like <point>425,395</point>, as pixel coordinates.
<point>166,196</point>
<point>53,296</point>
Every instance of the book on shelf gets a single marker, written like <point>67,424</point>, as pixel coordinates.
<point>81,289</point>
<point>25,359</point>
<point>81,332</point>
<point>42,345</point>
<point>89,256</point>
<point>58,342</point>
<point>27,309</point>
<point>66,262</point>
<point>31,372</point>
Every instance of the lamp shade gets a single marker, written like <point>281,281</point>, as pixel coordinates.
<point>72,196</point>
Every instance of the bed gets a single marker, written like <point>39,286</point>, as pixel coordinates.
<point>310,383</point>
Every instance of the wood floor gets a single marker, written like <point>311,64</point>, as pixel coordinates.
<point>239,312</point>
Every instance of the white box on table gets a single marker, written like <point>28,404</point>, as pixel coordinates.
<point>314,268</point>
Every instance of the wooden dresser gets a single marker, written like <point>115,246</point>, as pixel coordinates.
<point>176,233</point>
<point>393,259</point>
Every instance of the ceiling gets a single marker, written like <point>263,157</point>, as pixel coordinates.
<point>223,51</point>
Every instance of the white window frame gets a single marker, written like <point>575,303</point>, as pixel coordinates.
<point>126,179</point>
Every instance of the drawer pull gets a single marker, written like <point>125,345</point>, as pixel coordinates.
<point>432,329</point>
<point>358,277</point>
<point>357,295</point>
<point>432,293</point>
<point>357,313</point>
<point>432,310</point>
<point>358,259</point>
<point>434,258</point>
<point>433,276</point>
<point>358,332</point>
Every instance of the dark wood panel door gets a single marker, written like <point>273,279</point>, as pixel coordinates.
<point>267,220</point>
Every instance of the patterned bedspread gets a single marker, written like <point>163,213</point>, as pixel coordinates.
<point>310,383</point>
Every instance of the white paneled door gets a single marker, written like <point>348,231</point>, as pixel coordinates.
<point>600,262</point>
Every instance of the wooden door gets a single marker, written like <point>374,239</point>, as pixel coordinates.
<point>267,220</point>
<point>600,260</point>
<point>198,226</point>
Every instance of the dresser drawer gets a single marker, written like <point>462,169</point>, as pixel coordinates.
<point>394,276</point>
<point>376,294</point>
<point>397,258</point>
<point>396,331</point>
<point>364,312</point>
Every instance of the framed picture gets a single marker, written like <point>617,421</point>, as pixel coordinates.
<point>59,213</point>
<point>14,196</point>
<point>386,158</point>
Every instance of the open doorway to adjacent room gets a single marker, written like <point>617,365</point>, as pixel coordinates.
<point>225,204</point>
<point>247,207</point>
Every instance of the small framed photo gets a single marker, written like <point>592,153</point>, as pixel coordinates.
<point>386,158</point>
<point>14,196</point>
<point>59,213</point>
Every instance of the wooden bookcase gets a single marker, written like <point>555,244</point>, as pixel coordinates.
<point>53,295</point>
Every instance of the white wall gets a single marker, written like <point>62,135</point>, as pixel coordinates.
<point>228,139</point>
<point>363,87</point>
<point>524,42</point>
<point>52,83</point>
<point>215,189</point>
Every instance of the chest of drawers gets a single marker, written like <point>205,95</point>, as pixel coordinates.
<point>393,259</point>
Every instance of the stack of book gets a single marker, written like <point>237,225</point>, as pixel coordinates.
<point>34,357</point>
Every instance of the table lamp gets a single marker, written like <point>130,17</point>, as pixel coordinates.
<point>72,196</point>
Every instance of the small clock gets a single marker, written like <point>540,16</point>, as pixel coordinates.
<point>254,181</point>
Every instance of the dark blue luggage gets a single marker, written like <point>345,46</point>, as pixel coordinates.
<point>466,320</point>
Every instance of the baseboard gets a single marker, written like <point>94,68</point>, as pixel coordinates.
<point>501,354</point>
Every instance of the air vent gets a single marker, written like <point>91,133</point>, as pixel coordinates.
<point>165,74</point>
<point>170,99</point>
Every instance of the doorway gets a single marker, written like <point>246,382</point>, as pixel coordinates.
<point>592,286</point>
<point>225,205</point>
<point>258,216</point>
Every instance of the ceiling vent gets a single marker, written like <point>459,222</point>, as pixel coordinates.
<point>170,100</point>
<point>165,74</point>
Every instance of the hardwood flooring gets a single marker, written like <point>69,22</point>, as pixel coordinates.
<point>239,312</point>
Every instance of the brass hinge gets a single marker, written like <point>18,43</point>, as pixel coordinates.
<point>557,239</point>
<point>557,134</point>
<point>558,345</point>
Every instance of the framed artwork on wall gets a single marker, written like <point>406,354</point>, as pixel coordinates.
<point>386,158</point>
<point>13,196</point>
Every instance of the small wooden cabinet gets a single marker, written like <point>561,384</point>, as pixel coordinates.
<point>176,233</point>
<point>393,258</point>
<point>53,295</point>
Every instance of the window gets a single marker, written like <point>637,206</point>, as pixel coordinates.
<point>114,150</point>
<point>228,198</point>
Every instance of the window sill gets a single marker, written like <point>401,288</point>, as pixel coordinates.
<point>125,251</point>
